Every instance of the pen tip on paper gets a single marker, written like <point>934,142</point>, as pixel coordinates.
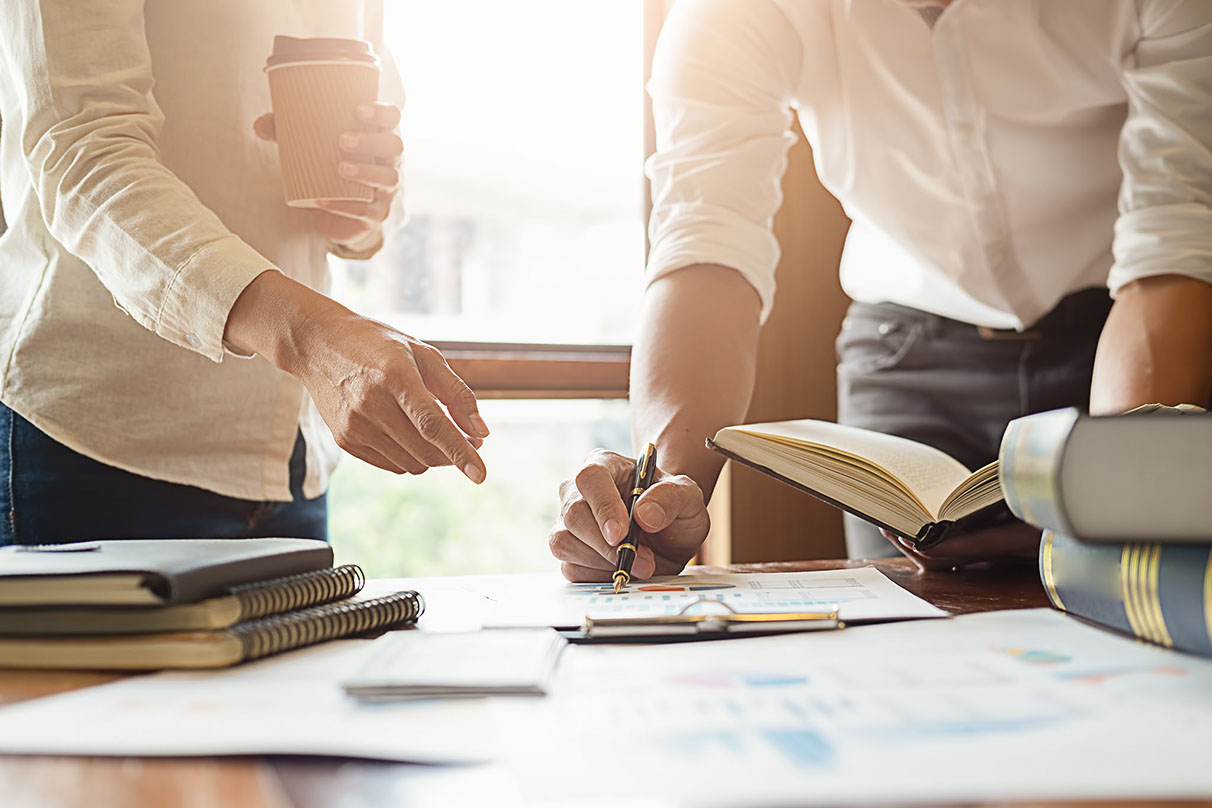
<point>620,580</point>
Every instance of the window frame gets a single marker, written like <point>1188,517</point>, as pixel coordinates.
<point>540,370</point>
<point>505,370</point>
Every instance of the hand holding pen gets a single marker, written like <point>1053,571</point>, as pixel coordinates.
<point>645,471</point>
<point>595,517</point>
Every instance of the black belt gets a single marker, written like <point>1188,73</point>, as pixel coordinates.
<point>1079,312</point>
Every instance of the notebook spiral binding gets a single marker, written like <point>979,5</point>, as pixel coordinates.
<point>284,632</point>
<point>295,591</point>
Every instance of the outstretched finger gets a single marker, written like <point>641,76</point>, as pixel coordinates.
<point>453,392</point>
<point>371,457</point>
<point>433,425</point>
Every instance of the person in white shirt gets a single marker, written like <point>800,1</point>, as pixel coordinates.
<point>1009,167</point>
<point>168,357</point>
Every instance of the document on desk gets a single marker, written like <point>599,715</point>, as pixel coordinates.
<point>284,705</point>
<point>537,600</point>
<point>1018,705</point>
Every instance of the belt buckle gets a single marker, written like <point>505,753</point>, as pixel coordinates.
<point>1008,334</point>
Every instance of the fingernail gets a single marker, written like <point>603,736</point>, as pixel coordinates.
<point>613,531</point>
<point>651,513</point>
<point>349,140</point>
<point>478,423</point>
<point>366,112</point>
<point>347,169</point>
<point>474,473</point>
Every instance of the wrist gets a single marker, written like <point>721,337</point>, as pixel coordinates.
<point>691,458</point>
<point>277,318</point>
<point>360,248</point>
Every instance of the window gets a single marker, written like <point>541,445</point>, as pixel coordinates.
<point>521,258</point>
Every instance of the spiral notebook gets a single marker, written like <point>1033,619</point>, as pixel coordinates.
<point>243,602</point>
<point>250,639</point>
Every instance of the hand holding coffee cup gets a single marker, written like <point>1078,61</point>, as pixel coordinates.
<point>339,150</point>
<point>374,161</point>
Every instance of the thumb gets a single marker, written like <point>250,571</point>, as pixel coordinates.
<point>263,127</point>
<point>667,501</point>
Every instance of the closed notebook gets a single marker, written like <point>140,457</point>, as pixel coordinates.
<point>251,639</point>
<point>244,602</point>
<point>148,572</point>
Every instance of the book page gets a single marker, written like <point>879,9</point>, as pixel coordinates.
<point>925,471</point>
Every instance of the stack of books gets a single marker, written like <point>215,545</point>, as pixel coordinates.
<point>1124,505</point>
<point>181,603</point>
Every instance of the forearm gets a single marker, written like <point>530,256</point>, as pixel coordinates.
<point>1156,346</point>
<point>692,369</point>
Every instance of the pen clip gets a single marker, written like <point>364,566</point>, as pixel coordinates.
<point>649,449</point>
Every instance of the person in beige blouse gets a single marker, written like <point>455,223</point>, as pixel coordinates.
<point>170,363</point>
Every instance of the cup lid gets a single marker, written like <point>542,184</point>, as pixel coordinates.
<point>289,49</point>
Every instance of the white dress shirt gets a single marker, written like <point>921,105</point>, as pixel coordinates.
<point>980,159</point>
<point>139,205</point>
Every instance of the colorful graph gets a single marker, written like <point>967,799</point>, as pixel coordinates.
<point>1035,656</point>
<point>734,679</point>
<point>1097,677</point>
<point>799,747</point>
<point>608,589</point>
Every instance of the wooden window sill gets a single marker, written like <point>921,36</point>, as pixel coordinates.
<point>516,370</point>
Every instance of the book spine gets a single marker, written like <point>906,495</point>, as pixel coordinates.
<point>1157,592</point>
<point>283,632</point>
<point>298,591</point>
<point>1029,464</point>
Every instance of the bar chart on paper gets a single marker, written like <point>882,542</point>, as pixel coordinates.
<point>862,594</point>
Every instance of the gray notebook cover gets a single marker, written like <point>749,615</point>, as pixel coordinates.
<point>175,570</point>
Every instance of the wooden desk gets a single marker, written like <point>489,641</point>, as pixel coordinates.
<point>304,782</point>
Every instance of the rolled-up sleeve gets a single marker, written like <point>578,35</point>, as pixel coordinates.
<point>88,132</point>
<point>1165,150</point>
<point>723,79</point>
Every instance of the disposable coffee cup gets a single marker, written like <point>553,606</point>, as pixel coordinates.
<point>316,86</point>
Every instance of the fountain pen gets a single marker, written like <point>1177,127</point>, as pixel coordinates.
<point>645,471</point>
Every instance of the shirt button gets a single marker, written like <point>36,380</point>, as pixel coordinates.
<point>193,340</point>
<point>889,327</point>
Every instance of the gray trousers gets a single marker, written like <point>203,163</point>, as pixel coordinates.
<point>954,386</point>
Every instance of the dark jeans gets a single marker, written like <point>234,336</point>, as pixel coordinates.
<point>49,493</point>
<point>941,382</point>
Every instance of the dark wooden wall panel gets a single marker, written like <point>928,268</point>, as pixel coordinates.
<point>797,372</point>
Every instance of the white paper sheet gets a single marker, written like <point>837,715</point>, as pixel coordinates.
<point>286,705</point>
<point>863,594</point>
<point>1023,705</point>
<point>1007,705</point>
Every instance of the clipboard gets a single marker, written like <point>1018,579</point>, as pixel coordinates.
<point>686,625</point>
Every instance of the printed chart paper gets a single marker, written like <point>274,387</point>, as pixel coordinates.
<point>1024,705</point>
<point>863,594</point>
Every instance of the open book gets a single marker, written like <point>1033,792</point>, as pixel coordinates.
<point>911,489</point>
